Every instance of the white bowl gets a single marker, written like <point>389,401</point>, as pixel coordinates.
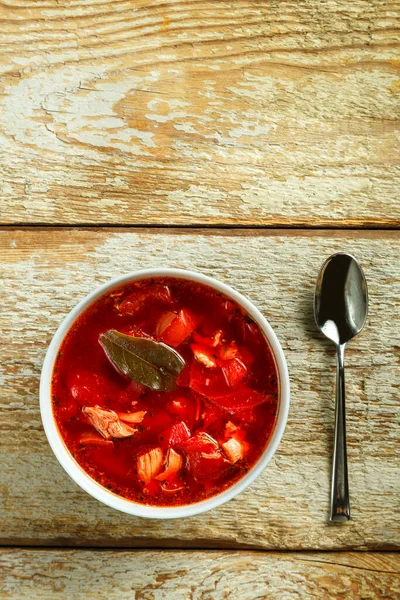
<point>90,485</point>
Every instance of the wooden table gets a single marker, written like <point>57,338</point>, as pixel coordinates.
<point>247,140</point>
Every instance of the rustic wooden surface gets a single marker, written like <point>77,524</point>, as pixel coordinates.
<point>192,113</point>
<point>242,112</point>
<point>192,575</point>
<point>45,272</point>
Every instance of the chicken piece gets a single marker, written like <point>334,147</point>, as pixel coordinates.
<point>204,354</point>
<point>149,465</point>
<point>107,422</point>
<point>173,466</point>
<point>234,450</point>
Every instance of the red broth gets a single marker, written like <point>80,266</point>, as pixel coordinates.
<point>177,447</point>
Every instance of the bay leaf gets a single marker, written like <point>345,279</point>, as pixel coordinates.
<point>151,363</point>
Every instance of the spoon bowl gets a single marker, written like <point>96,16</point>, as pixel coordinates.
<point>340,310</point>
<point>341,298</point>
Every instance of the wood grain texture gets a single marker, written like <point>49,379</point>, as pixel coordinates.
<point>252,112</point>
<point>45,272</point>
<point>189,575</point>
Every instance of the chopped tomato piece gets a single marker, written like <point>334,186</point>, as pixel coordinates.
<point>137,299</point>
<point>107,422</point>
<point>173,466</point>
<point>181,327</point>
<point>149,465</point>
<point>234,371</point>
<point>135,417</point>
<point>94,439</point>
<point>88,388</point>
<point>175,435</point>
<point>204,355</point>
<point>235,450</point>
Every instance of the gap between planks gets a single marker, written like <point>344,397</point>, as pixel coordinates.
<point>204,226</point>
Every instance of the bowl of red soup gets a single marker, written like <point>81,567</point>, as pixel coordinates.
<point>164,393</point>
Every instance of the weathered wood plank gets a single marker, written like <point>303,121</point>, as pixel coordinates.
<point>200,112</point>
<point>211,575</point>
<point>45,272</point>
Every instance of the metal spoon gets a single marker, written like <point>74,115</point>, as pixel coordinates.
<point>340,310</point>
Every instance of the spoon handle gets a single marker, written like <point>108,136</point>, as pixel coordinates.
<point>340,504</point>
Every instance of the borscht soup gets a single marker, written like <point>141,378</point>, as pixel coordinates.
<point>165,391</point>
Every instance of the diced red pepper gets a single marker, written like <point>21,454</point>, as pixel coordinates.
<point>137,299</point>
<point>181,327</point>
<point>208,466</point>
<point>240,398</point>
<point>201,442</point>
<point>213,385</point>
<point>208,382</point>
<point>234,371</point>
<point>214,417</point>
<point>175,435</point>
<point>205,460</point>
